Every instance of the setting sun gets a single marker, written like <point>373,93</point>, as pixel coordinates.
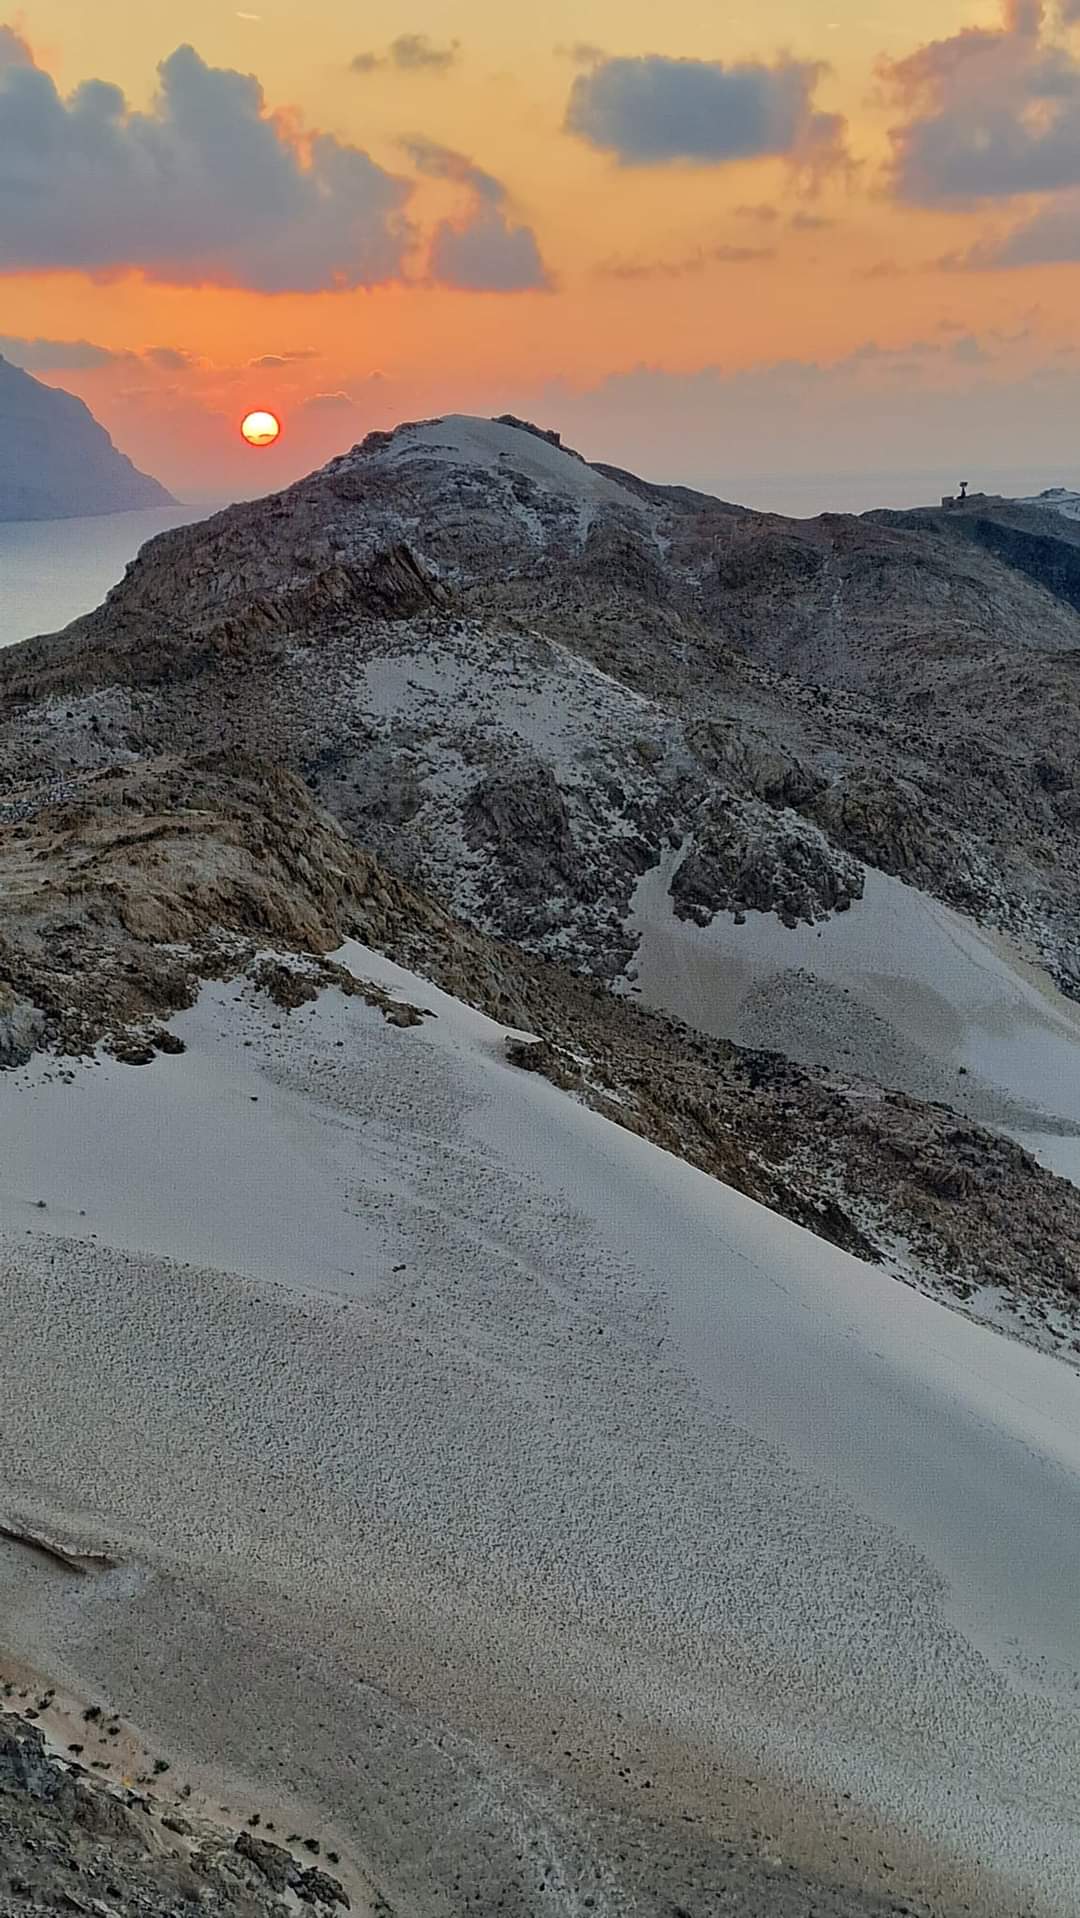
<point>260,429</point>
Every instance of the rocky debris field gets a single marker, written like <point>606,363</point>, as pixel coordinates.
<point>70,1842</point>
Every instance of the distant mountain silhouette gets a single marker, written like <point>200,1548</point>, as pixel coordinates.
<point>56,462</point>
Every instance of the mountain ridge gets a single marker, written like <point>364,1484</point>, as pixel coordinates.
<point>855,686</point>
<point>57,461</point>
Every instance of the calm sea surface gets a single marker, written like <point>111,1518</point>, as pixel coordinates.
<point>53,570</point>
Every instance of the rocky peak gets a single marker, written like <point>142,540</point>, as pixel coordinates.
<point>56,461</point>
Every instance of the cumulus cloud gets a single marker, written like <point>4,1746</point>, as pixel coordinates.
<point>14,50</point>
<point>655,110</point>
<point>410,53</point>
<point>990,113</point>
<point>205,188</point>
<point>1050,237</point>
<point>483,250</point>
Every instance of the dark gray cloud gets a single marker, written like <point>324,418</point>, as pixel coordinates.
<point>410,53</point>
<point>171,359</point>
<point>689,264</point>
<point>54,356</point>
<point>204,189</point>
<point>82,356</point>
<point>655,110</point>
<point>483,251</point>
<point>1050,237</point>
<point>415,53</point>
<point>989,113</point>
<point>14,51</point>
<point>487,254</point>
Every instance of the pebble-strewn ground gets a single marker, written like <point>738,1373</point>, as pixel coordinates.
<point>454,1550</point>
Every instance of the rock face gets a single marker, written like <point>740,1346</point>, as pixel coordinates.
<point>56,462</point>
<point>758,861</point>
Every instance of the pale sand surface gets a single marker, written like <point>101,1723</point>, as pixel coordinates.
<point>900,989</point>
<point>619,1496</point>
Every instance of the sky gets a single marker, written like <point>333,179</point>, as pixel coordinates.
<point>808,238</point>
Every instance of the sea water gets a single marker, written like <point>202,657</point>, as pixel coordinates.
<point>53,570</point>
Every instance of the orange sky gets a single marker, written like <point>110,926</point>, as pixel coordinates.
<point>650,266</point>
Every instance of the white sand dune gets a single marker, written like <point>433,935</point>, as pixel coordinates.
<point>900,989</point>
<point>455,1440</point>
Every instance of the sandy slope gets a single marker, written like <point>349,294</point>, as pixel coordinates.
<point>487,1478</point>
<point>900,989</point>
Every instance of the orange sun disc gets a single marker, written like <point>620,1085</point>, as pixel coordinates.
<point>260,429</point>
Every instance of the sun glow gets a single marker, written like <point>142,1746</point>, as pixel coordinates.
<point>260,429</point>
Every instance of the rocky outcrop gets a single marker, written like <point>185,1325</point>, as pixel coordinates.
<point>747,859</point>
<point>70,1842</point>
<point>182,871</point>
<point>21,1028</point>
<point>882,821</point>
<point>522,817</point>
<point>56,462</point>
